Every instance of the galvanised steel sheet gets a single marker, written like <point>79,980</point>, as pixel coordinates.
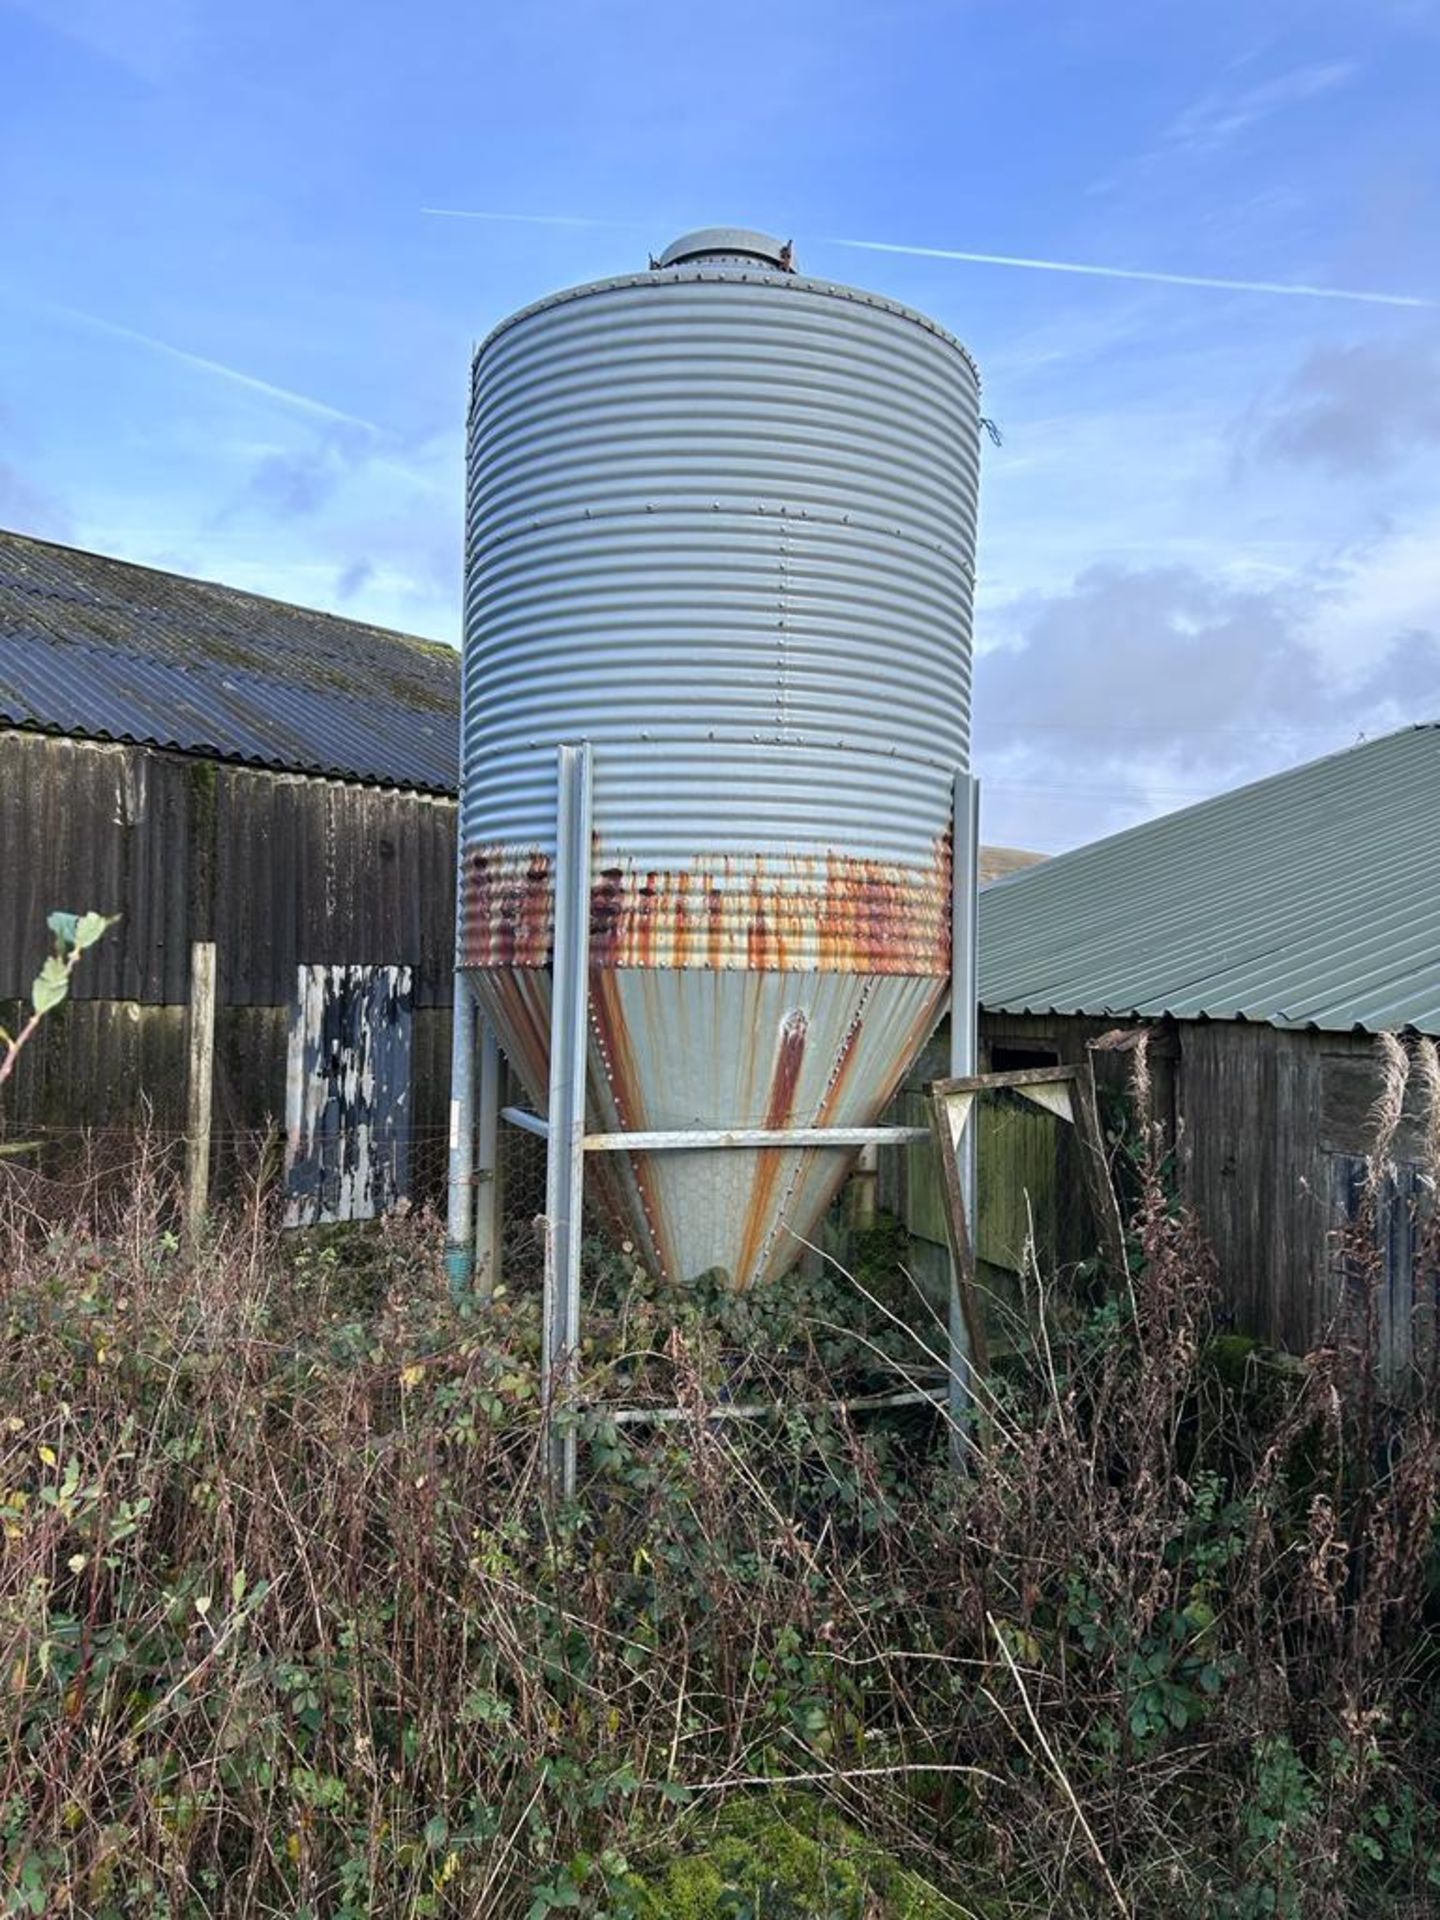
<point>721,525</point>
<point>758,1049</point>
<point>1304,900</point>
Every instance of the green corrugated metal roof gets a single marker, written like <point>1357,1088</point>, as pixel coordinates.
<point>1311,899</point>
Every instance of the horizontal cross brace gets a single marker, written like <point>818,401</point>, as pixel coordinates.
<point>705,1138</point>
<point>754,1137</point>
<point>1018,1077</point>
<point>768,1409</point>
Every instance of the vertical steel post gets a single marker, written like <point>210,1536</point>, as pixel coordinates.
<point>964,1048</point>
<point>460,1191</point>
<point>565,1159</point>
<point>487,1165</point>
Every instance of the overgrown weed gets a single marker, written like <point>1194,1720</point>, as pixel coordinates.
<point>1208,1594</point>
<point>290,1624</point>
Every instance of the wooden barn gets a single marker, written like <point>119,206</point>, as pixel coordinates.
<point>265,795</point>
<point>1265,939</point>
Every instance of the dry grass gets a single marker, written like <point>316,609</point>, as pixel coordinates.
<point>289,1623</point>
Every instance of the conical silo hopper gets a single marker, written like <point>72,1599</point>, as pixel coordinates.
<point>721,526</point>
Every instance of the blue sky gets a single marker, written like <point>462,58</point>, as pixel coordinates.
<point>234,344</point>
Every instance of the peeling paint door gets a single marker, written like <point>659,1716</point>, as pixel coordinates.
<point>347,1094</point>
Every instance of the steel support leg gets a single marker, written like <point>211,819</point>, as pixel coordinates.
<point>487,1165</point>
<point>964,1049</point>
<point>565,1160</point>
<point>460,1209</point>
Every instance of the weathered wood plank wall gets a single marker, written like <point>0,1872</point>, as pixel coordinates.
<point>1277,1129</point>
<point>1271,1130</point>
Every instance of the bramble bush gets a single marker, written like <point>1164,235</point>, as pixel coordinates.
<point>291,1624</point>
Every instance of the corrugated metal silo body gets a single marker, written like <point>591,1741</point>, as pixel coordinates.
<point>721,525</point>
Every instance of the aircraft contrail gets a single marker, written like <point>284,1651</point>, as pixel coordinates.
<point>1088,269</point>
<point>287,395</point>
<point>1136,273</point>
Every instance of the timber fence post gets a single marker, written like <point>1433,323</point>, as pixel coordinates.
<point>200,1085</point>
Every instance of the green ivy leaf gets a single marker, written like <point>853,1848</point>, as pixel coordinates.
<point>52,983</point>
<point>89,927</point>
<point>63,926</point>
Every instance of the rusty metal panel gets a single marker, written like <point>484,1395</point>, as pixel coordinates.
<point>347,1097</point>
<point>721,525</point>
<point>757,913</point>
<point>762,1049</point>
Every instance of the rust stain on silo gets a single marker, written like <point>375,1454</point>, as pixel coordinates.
<point>789,1059</point>
<point>836,914</point>
<point>779,1110</point>
<point>617,1057</point>
<point>518,1000</point>
<point>507,907</point>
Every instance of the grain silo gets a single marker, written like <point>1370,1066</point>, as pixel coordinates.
<point>720,547</point>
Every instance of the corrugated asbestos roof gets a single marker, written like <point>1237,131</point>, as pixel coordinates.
<point>1306,900</point>
<point>100,648</point>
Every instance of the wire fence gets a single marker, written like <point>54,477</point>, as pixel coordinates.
<point>1032,1223</point>
<point>60,1176</point>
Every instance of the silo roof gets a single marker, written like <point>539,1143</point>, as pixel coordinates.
<point>1307,900</point>
<point>103,649</point>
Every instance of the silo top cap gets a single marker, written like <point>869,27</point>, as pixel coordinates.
<point>737,246</point>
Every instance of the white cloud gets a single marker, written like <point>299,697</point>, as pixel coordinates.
<point>26,508</point>
<point>1390,585</point>
<point>1216,119</point>
<point>1138,689</point>
<point>1358,407</point>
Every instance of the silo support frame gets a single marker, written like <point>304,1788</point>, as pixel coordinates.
<point>487,1164</point>
<point>460,1175</point>
<point>565,1138</point>
<point>568,1142</point>
<point>964,1055</point>
<point>472,1228</point>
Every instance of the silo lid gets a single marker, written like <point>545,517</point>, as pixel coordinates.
<point>728,244</point>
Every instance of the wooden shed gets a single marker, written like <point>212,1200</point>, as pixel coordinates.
<point>1265,939</point>
<point>224,771</point>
